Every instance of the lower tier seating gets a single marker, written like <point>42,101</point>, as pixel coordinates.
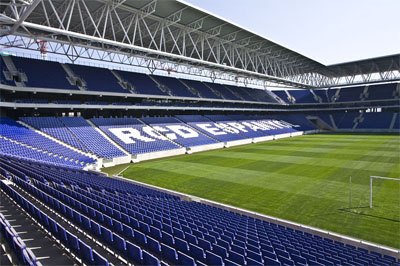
<point>150,227</point>
<point>111,137</point>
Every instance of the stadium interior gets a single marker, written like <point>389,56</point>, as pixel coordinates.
<point>62,122</point>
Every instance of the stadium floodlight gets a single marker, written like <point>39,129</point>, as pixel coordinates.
<point>370,185</point>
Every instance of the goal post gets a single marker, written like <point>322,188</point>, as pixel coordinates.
<point>371,178</point>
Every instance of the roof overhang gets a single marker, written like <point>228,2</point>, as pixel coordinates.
<point>161,32</point>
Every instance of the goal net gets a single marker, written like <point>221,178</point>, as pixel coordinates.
<point>371,180</point>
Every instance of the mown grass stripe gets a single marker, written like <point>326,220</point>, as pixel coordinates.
<point>345,150</point>
<point>295,159</point>
<point>304,179</point>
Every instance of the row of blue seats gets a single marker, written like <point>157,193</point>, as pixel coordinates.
<point>119,243</point>
<point>350,94</point>
<point>225,132</point>
<point>286,245</point>
<point>76,246</point>
<point>20,134</point>
<point>69,211</point>
<point>14,149</point>
<point>48,74</point>
<point>77,132</point>
<point>25,255</point>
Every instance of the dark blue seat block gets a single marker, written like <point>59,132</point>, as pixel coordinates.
<point>119,244</point>
<point>127,231</point>
<point>99,260</point>
<point>184,259</point>
<point>95,228</point>
<point>140,238</point>
<point>86,223</point>
<point>197,252</point>
<point>204,244</point>
<point>134,223</point>
<point>62,234</point>
<point>169,254</point>
<point>86,252</point>
<point>228,262</point>
<point>236,258</point>
<point>190,238</point>
<point>149,259</point>
<point>272,262</point>
<point>181,245</point>
<point>282,253</point>
<point>53,226</point>
<point>73,243</point>
<point>285,261</point>
<point>168,239</point>
<point>255,256</point>
<point>213,259</point>
<point>108,221</point>
<point>134,252</point>
<point>117,226</point>
<point>107,235</point>
<point>153,245</point>
<point>250,261</point>
<point>155,232</point>
<point>219,251</point>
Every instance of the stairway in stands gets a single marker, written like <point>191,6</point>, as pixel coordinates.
<point>46,250</point>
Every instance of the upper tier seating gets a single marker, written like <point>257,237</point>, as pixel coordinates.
<point>47,74</point>
<point>228,92</point>
<point>243,93</point>
<point>142,83</point>
<point>42,73</point>
<point>176,87</point>
<point>11,130</point>
<point>382,91</point>
<point>97,79</point>
<point>323,95</point>
<point>134,220</point>
<point>302,96</point>
<point>331,93</point>
<point>3,79</point>
<point>282,95</point>
<point>201,88</point>
<point>352,94</point>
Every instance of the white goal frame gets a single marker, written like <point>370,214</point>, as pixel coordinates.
<point>371,178</point>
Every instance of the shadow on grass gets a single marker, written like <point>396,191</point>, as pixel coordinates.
<point>353,210</point>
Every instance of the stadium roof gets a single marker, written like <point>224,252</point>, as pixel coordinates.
<point>176,36</point>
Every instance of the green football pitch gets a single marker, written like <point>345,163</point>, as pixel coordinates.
<point>303,179</point>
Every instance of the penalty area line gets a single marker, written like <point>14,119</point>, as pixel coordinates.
<point>123,170</point>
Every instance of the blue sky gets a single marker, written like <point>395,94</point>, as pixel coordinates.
<point>329,31</point>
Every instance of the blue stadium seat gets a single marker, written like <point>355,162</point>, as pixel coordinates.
<point>169,254</point>
<point>213,259</point>
<point>149,259</point>
<point>99,260</point>
<point>184,259</point>
<point>134,252</point>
